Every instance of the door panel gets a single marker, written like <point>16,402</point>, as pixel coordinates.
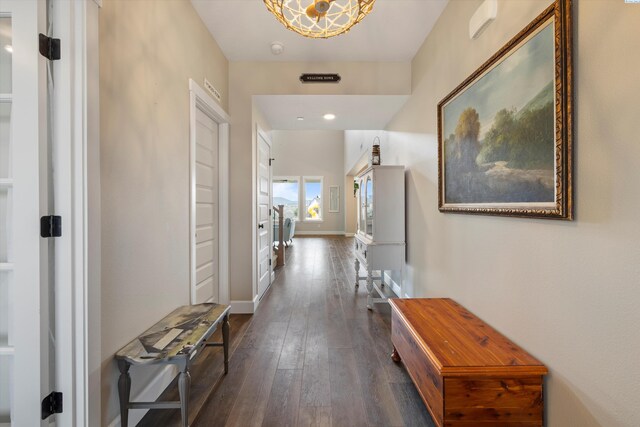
<point>5,210</point>
<point>204,275</point>
<point>263,237</point>
<point>206,195</point>
<point>24,197</point>
<point>204,214</point>
<point>204,272</point>
<point>204,234</point>
<point>205,156</point>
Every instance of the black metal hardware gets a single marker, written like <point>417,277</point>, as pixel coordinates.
<point>49,47</point>
<point>260,225</point>
<point>271,160</point>
<point>269,261</point>
<point>51,226</point>
<point>52,404</point>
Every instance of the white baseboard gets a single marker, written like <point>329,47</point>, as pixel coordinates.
<point>241,307</point>
<point>245,307</point>
<point>150,393</point>
<point>394,286</point>
<point>318,233</point>
<point>349,234</point>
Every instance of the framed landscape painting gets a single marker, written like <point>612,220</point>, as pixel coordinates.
<point>504,134</point>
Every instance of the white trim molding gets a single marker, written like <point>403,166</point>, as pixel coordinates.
<point>200,99</point>
<point>318,233</point>
<point>394,286</point>
<point>245,307</point>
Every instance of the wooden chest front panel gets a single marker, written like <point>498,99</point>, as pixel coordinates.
<point>425,376</point>
<point>495,401</point>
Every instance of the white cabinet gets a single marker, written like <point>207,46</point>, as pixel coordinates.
<point>380,239</point>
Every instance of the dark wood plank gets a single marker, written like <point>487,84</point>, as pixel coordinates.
<point>292,355</point>
<point>347,399</point>
<point>413,411</point>
<point>251,401</point>
<point>284,399</point>
<point>379,403</point>
<point>316,390</point>
<point>312,354</point>
<point>219,404</point>
<point>314,416</point>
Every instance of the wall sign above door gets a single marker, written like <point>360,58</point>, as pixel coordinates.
<point>320,78</point>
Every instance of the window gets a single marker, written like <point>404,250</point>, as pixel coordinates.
<point>286,192</point>
<point>312,187</point>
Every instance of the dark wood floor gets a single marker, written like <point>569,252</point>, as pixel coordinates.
<point>312,355</point>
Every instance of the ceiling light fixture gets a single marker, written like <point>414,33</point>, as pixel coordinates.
<point>319,18</point>
<point>329,116</point>
<point>277,48</point>
<point>300,118</point>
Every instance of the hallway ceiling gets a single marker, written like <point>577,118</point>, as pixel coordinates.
<point>393,31</point>
<point>353,112</point>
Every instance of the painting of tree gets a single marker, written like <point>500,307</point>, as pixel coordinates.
<point>500,147</point>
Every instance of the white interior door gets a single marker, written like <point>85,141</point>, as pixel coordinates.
<point>263,234</point>
<point>206,277</point>
<point>24,198</point>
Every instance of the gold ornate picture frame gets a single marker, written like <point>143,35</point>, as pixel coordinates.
<point>505,133</point>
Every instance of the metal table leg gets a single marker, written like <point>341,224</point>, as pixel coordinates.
<point>184,384</point>
<point>124,391</point>
<point>225,342</point>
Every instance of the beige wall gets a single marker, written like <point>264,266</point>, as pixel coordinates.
<point>350,214</point>
<point>568,292</point>
<point>313,153</point>
<point>148,51</point>
<point>282,78</point>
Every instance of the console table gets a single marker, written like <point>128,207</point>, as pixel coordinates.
<point>467,373</point>
<point>175,340</point>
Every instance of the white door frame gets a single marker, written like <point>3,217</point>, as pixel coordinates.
<point>199,99</point>
<point>72,105</point>
<point>75,159</point>
<point>256,248</point>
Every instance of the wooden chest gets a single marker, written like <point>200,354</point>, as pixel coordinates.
<point>467,373</point>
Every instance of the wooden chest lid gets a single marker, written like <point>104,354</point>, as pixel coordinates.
<point>459,343</point>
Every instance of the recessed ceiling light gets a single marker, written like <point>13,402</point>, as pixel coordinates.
<point>329,116</point>
<point>300,118</point>
<point>8,48</point>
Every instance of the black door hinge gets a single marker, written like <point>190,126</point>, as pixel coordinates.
<point>51,226</point>
<point>49,47</point>
<point>52,404</point>
<point>271,160</point>
<point>269,261</point>
<point>269,212</point>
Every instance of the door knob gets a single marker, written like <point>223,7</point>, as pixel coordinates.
<point>261,226</point>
